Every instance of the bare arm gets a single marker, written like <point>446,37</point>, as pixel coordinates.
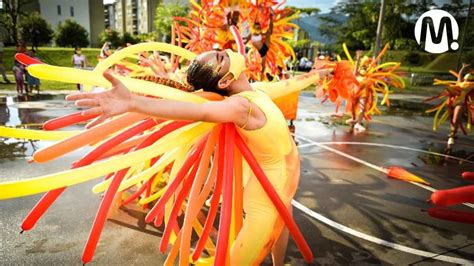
<point>119,100</point>
<point>270,29</point>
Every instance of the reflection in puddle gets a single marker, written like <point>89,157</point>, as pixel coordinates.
<point>406,108</point>
<point>11,149</point>
<point>433,159</point>
<point>28,111</point>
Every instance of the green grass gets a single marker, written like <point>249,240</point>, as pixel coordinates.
<point>50,55</point>
<point>45,85</point>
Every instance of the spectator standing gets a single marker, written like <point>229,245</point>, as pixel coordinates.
<point>79,61</point>
<point>32,82</point>
<point>19,71</point>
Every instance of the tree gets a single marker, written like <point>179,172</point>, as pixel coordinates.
<point>129,38</point>
<point>71,34</point>
<point>35,29</point>
<point>164,17</point>
<point>359,30</point>
<point>10,14</point>
<point>306,10</point>
<point>111,36</point>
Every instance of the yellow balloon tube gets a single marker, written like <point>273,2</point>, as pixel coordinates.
<point>20,133</point>
<point>72,75</point>
<point>138,48</point>
<point>75,176</point>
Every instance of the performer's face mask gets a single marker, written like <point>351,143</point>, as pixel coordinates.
<point>236,65</point>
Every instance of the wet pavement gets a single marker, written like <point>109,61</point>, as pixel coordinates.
<point>348,210</point>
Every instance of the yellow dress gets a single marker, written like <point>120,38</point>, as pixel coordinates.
<point>276,153</point>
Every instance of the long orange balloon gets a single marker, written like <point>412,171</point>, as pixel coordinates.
<point>273,195</point>
<point>194,207</point>
<point>88,136</point>
<point>214,199</point>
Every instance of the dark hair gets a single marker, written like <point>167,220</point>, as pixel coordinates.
<point>167,82</point>
<point>77,48</point>
<point>202,76</point>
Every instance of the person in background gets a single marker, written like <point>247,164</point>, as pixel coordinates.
<point>460,104</point>
<point>79,61</point>
<point>2,67</point>
<point>105,51</point>
<point>262,43</point>
<point>32,82</point>
<point>19,71</point>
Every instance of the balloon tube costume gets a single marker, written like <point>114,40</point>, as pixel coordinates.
<point>455,100</point>
<point>135,153</point>
<point>358,84</point>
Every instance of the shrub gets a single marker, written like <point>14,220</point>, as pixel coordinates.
<point>34,26</point>
<point>71,34</point>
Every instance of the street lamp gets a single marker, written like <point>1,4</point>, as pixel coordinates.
<point>461,47</point>
<point>378,39</point>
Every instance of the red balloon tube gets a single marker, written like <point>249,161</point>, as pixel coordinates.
<point>159,206</point>
<point>67,120</point>
<point>455,196</point>
<point>451,215</point>
<point>468,175</point>
<point>50,197</point>
<point>226,208</point>
<point>26,60</point>
<point>273,195</point>
<point>114,141</point>
<point>101,216</point>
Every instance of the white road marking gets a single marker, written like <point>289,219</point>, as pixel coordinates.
<point>376,240</point>
<point>370,165</point>
<point>387,146</point>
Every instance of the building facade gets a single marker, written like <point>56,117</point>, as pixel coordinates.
<point>88,13</point>
<point>109,13</point>
<point>135,16</point>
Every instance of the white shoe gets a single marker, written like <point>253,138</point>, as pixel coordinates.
<point>450,141</point>
<point>359,128</point>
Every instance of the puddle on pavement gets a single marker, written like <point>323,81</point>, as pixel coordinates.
<point>406,108</point>
<point>28,111</point>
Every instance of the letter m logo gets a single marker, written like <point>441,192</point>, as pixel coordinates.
<point>437,30</point>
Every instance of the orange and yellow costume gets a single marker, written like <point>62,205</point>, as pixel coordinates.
<point>138,154</point>
<point>368,80</point>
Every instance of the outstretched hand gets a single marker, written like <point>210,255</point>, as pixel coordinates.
<point>115,101</point>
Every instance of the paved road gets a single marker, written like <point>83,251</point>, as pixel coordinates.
<point>349,211</point>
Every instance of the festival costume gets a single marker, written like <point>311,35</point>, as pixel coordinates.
<point>137,154</point>
<point>208,26</point>
<point>371,79</point>
<point>455,94</point>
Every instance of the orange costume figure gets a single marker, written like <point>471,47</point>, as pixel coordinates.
<point>359,84</point>
<point>210,27</point>
<point>457,99</point>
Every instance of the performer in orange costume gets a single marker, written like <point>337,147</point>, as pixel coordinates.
<point>260,122</point>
